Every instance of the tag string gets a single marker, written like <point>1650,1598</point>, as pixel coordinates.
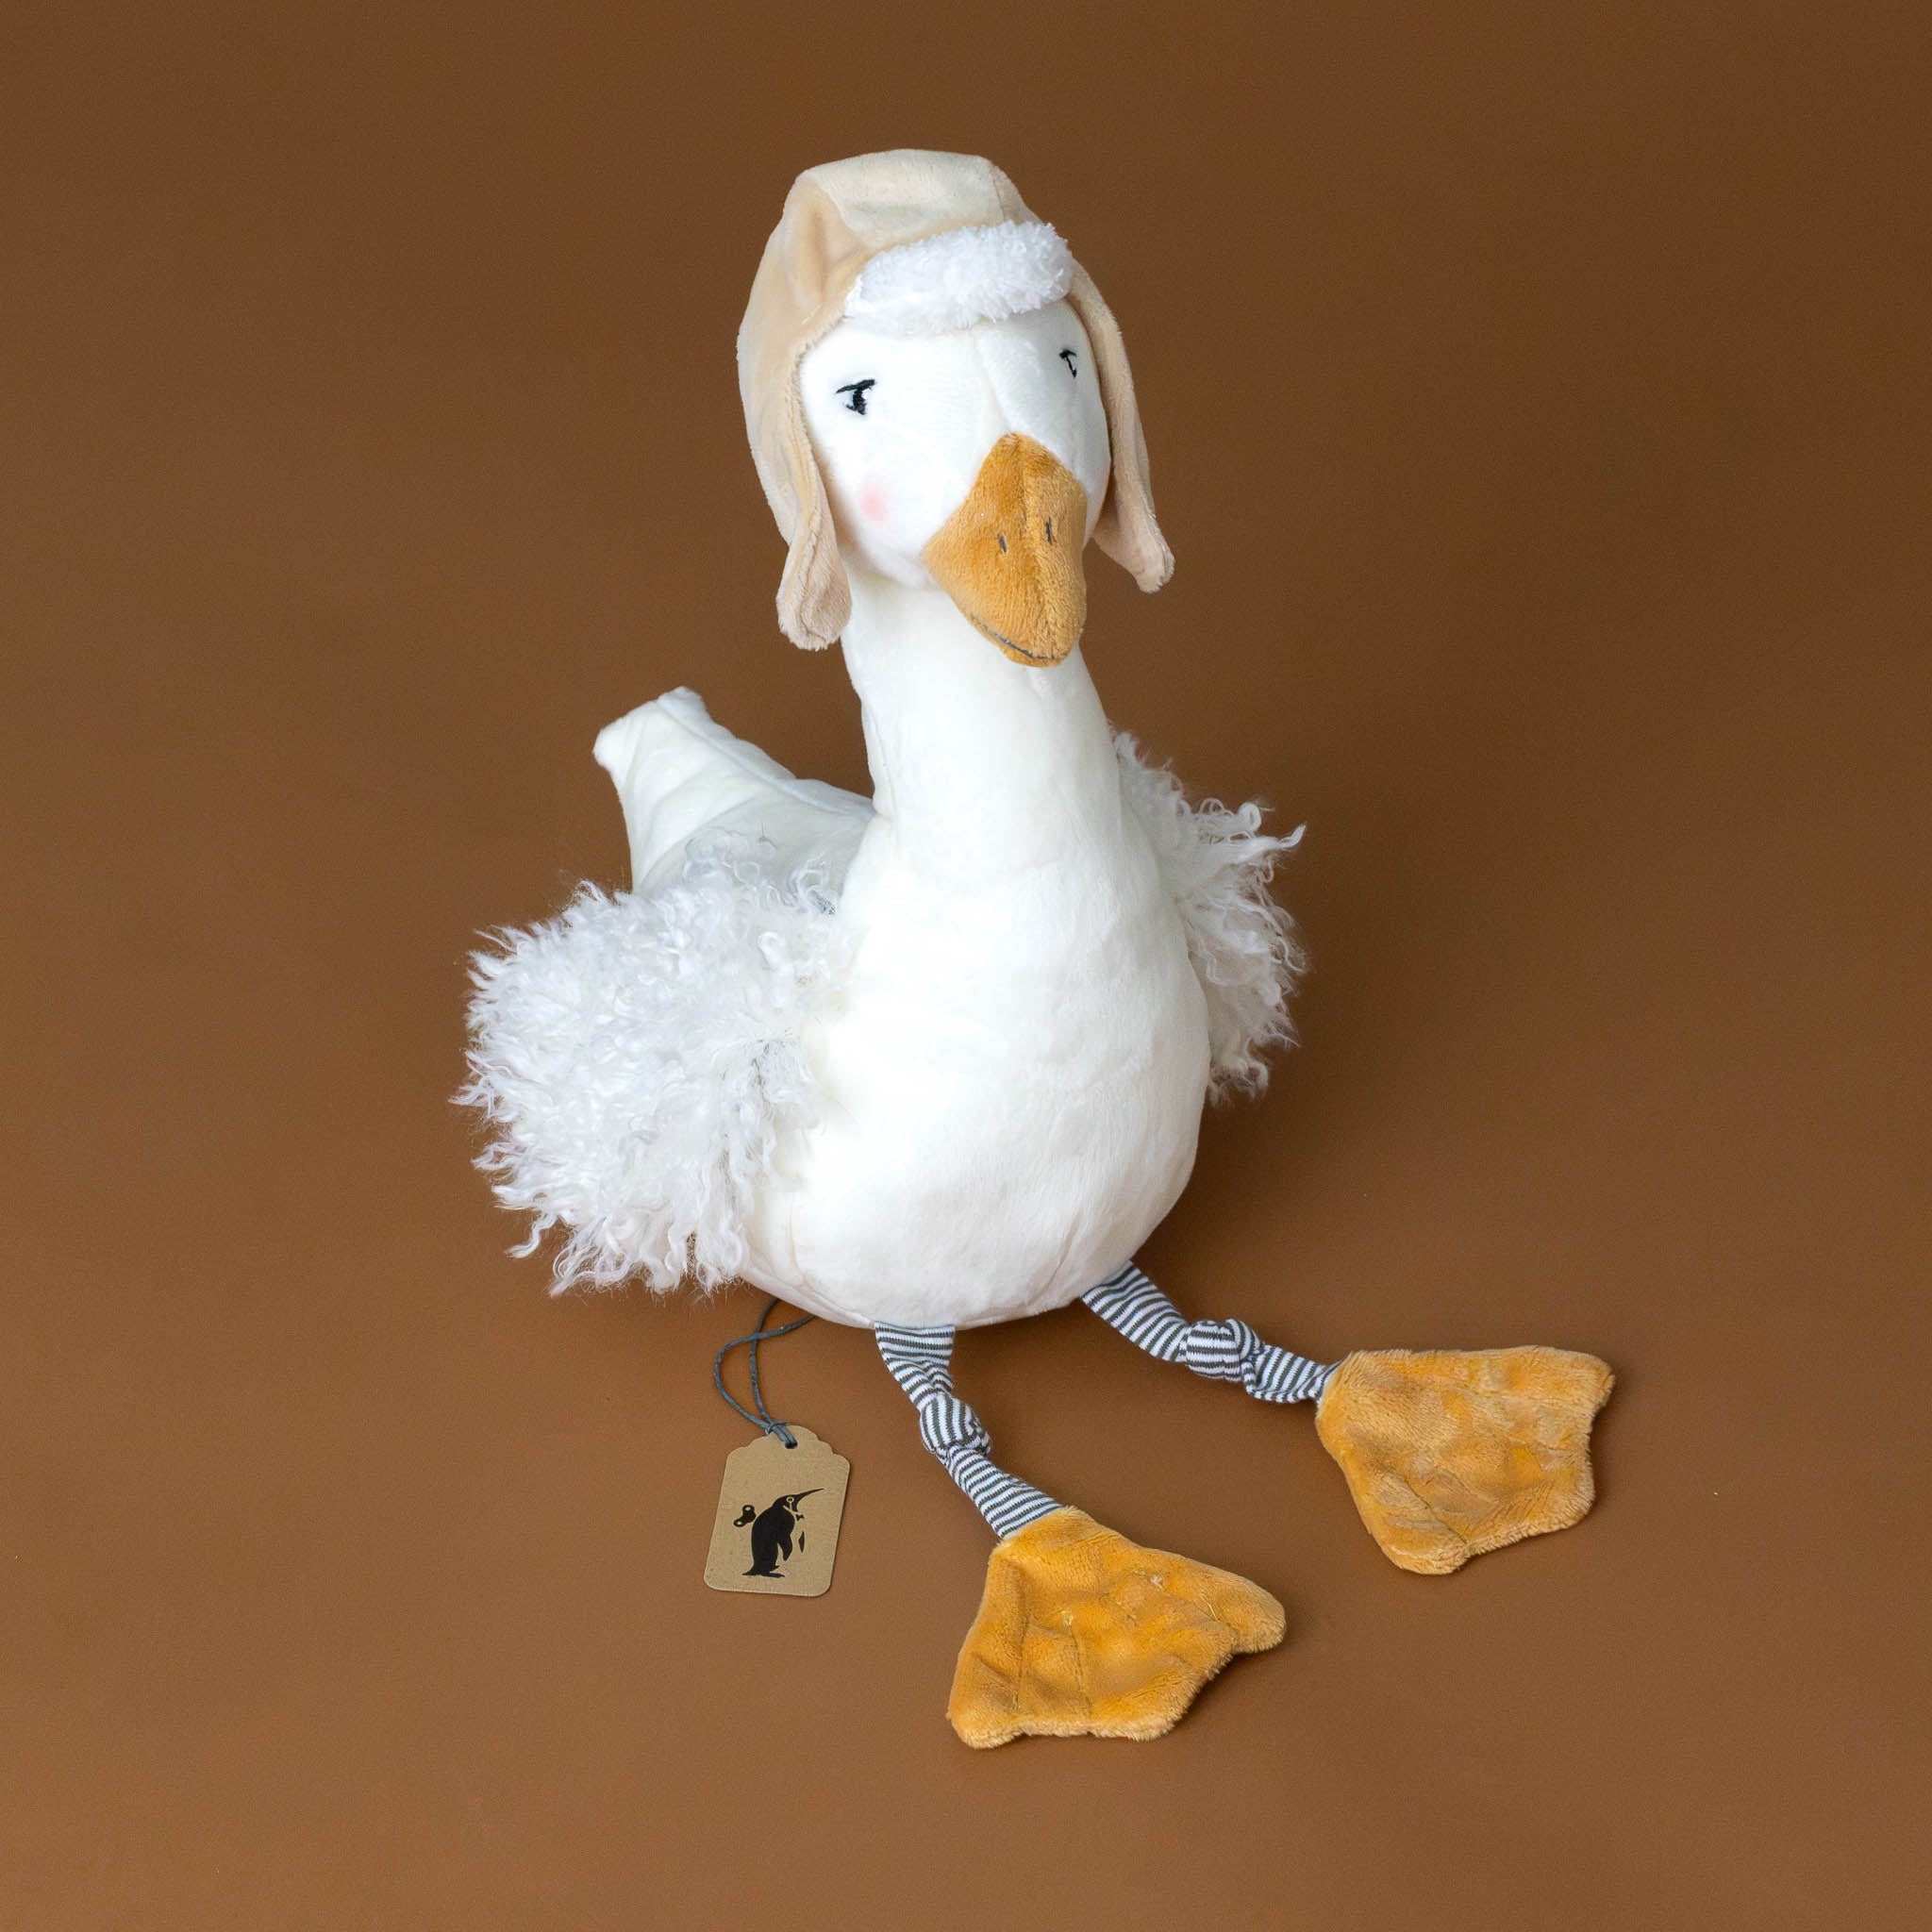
<point>765,1418</point>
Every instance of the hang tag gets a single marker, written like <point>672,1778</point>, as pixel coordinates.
<point>776,1529</point>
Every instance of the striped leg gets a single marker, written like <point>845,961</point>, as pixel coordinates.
<point>1447,1452</point>
<point>921,1362</point>
<point>1226,1350</point>
<point>1079,1632</point>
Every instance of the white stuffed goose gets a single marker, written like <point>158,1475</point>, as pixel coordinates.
<point>940,1058</point>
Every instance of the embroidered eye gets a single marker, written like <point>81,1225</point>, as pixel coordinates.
<point>1072,366</point>
<point>853,394</point>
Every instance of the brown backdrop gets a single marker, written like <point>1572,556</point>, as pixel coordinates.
<point>1539,412</point>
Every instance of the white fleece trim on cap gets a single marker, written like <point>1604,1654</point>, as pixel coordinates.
<point>962,276</point>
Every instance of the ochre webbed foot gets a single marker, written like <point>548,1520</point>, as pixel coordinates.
<point>1083,1634</point>
<point>1449,1455</point>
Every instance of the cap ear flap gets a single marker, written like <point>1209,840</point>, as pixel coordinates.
<point>814,595</point>
<point>808,264</point>
<point>1126,530</point>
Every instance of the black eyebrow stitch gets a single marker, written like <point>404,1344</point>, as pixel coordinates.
<point>1073,367</point>
<point>857,392</point>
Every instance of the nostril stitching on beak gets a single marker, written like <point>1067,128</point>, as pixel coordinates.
<point>1002,536</point>
<point>1049,529</point>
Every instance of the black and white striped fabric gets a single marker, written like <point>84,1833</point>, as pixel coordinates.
<point>921,1361</point>
<point>1226,1351</point>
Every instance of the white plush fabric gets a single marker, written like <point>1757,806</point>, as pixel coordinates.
<point>964,276</point>
<point>680,776</point>
<point>1216,862</point>
<point>637,1056</point>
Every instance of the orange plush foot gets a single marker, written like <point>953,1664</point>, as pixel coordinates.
<point>1083,1634</point>
<point>1449,1455</point>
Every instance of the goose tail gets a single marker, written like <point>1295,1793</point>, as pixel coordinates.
<point>638,1060</point>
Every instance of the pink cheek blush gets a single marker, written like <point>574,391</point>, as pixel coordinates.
<point>872,502</point>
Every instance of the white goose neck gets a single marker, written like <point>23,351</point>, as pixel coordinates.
<point>978,763</point>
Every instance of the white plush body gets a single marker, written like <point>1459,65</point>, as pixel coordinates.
<point>939,1059</point>
<point>1012,1075</point>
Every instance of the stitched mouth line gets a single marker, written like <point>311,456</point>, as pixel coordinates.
<point>1006,643</point>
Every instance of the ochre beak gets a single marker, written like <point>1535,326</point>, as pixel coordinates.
<point>1010,555</point>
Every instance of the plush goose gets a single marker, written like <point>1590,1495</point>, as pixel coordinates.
<point>939,1059</point>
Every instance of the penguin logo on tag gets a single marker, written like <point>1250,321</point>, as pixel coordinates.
<point>772,1495</point>
<point>771,1532</point>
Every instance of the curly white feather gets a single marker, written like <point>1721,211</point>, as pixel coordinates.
<point>638,1058</point>
<point>1216,862</point>
<point>962,276</point>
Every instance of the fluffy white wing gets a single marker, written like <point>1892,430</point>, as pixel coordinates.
<point>638,1058</point>
<point>1217,863</point>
